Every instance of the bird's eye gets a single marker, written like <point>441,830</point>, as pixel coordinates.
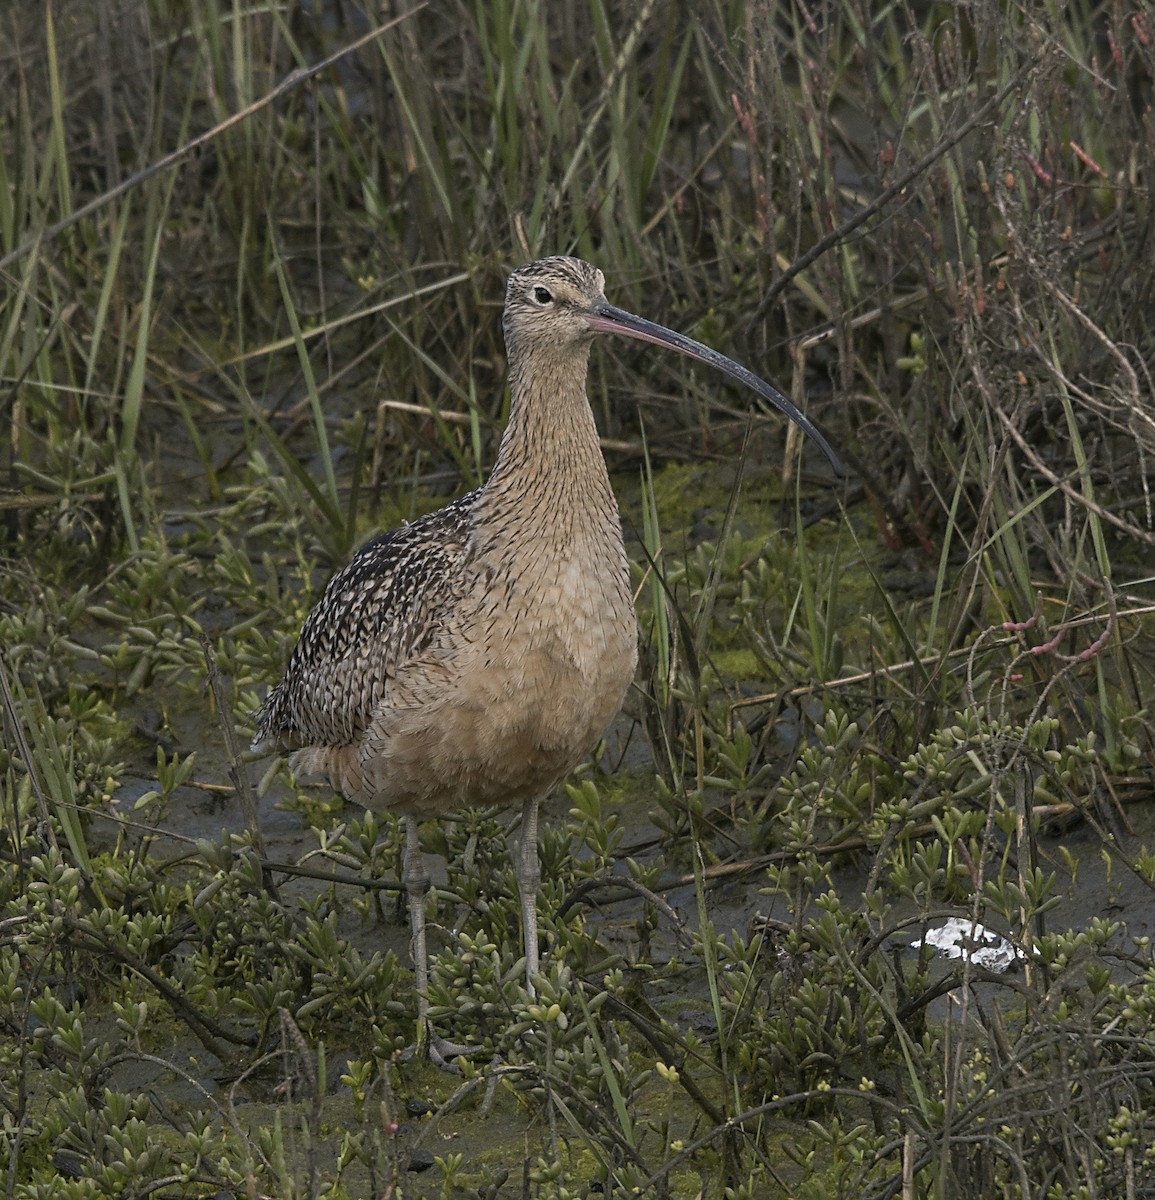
<point>543,295</point>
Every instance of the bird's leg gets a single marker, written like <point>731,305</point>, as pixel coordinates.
<point>441,1052</point>
<point>416,886</point>
<point>528,884</point>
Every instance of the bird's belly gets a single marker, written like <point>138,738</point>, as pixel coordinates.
<point>502,725</point>
<point>501,734</point>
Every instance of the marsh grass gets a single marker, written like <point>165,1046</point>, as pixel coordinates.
<point>252,264</point>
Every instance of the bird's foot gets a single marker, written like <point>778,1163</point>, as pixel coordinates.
<point>441,1052</point>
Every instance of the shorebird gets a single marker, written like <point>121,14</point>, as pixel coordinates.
<point>474,656</point>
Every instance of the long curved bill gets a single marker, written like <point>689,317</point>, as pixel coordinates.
<point>608,319</point>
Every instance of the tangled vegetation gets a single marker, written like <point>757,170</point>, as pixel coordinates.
<point>252,258</point>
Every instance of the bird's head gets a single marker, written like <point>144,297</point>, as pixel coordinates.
<point>549,304</point>
<point>555,305</point>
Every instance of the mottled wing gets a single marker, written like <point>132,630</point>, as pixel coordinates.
<point>392,601</point>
